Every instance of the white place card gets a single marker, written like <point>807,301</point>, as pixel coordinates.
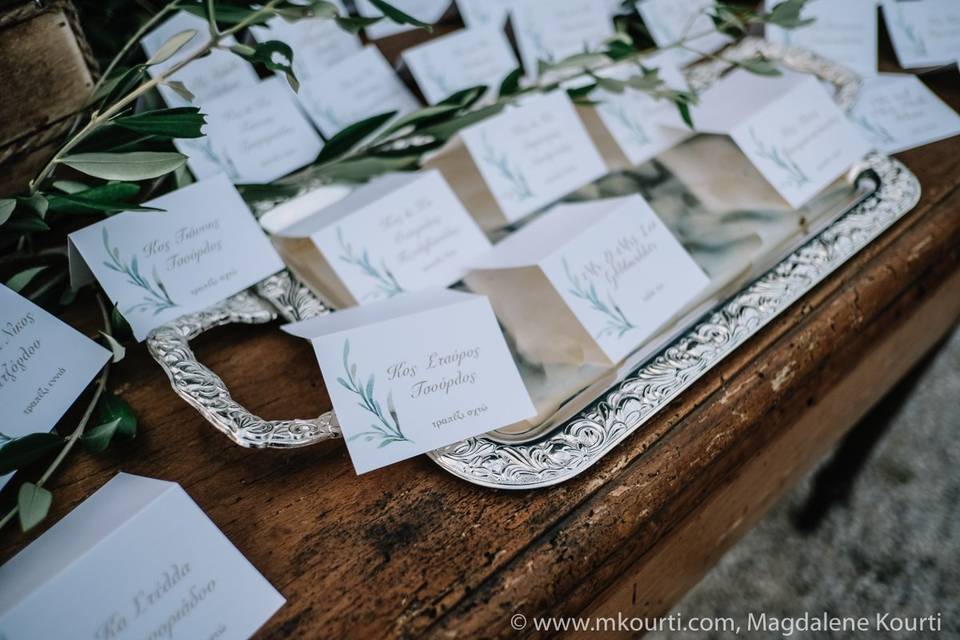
<point>212,76</point>
<point>788,127</point>
<point>844,31</point>
<point>415,373</point>
<point>44,365</point>
<point>531,155</point>
<point>137,559</point>
<point>483,13</point>
<point>460,60</point>
<point>255,135</point>
<point>157,266</point>
<point>589,282</point>
<point>670,21</point>
<point>358,87</point>
<point>428,11</point>
<point>925,33</point>
<point>402,232</point>
<point>552,31</point>
<point>898,112</point>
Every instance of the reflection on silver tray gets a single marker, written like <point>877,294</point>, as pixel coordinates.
<point>599,415</point>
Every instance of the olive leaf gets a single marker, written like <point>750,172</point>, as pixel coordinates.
<point>511,84</point>
<point>228,14</point>
<point>399,16</point>
<point>178,122</point>
<point>20,452</point>
<point>23,278</point>
<point>118,350</point>
<point>364,168</point>
<point>353,135</point>
<point>7,205</point>
<point>760,66</point>
<point>786,15</point>
<point>97,439</point>
<point>110,198</point>
<point>34,504</point>
<point>354,24</point>
<point>135,165</point>
<point>171,46</point>
<point>111,407</point>
<point>274,55</point>
<point>316,9</point>
<point>180,89</point>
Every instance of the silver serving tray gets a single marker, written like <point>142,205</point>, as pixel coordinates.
<point>599,415</point>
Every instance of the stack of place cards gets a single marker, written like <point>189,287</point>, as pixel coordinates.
<point>671,21</point>
<point>844,31</point>
<point>212,76</point>
<point>787,126</point>
<point>925,33</point>
<point>403,232</point>
<point>898,112</point>
<point>156,267</point>
<point>588,283</point>
<point>138,559</point>
<point>44,366</point>
<point>508,166</point>
<point>551,31</point>
<point>460,60</point>
<point>358,87</point>
<point>428,11</point>
<point>415,373</point>
<point>630,127</point>
<point>255,135</point>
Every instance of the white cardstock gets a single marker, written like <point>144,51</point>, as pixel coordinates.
<point>358,87</point>
<point>551,31</point>
<point>533,154</point>
<point>137,559</point>
<point>255,135</point>
<point>844,31</point>
<point>483,13</point>
<point>44,365</point>
<point>588,282</point>
<point>670,21</point>
<point>415,373</point>
<point>925,33</point>
<point>898,112</point>
<point>428,11</point>
<point>212,76</point>
<point>463,59</point>
<point>157,266</point>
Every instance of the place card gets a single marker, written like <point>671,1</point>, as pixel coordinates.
<point>255,135</point>
<point>44,365</point>
<point>212,76</point>
<point>358,87</point>
<point>137,559</point>
<point>924,33</point>
<point>844,31</point>
<point>552,31</point>
<point>428,11</point>
<point>520,160</point>
<point>632,127</point>
<point>483,13</point>
<point>399,233</point>
<point>415,373</point>
<point>463,59</point>
<point>588,282</point>
<point>898,112</point>
<point>787,126</point>
<point>670,21</point>
<point>157,266</point>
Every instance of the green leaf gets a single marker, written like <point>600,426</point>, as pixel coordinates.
<point>70,186</point>
<point>111,407</point>
<point>760,66</point>
<point>355,24</point>
<point>112,91</point>
<point>38,202</point>
<point>398,16</point>
<point>171,46</point>
<point>136,165</point>
<point>179,122</point>
<point>228,14</point>
<point>97,439</point>
<point>111,197</point>
<point>119,326</point>
<point>27,223</point>
<point>511,84</point>
<point>20,452</point>
<point>34,504</point>
<point>118,349</point>
<point>427,114</point>
<point>786,15</point>
<point>447,130</point>
<point>318,9</point>
<point>363,169</point>
<point>180,89</point>
<point>7,205</point>
<point>684,108</point>
<point>276,56</point>
<point>22,279</point>
<point>353,135</point>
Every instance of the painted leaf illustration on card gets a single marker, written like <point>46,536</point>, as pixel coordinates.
<point>386,283</point>
<point>875,130</point>
<point>519,187</point>
<point>155,295</point>
<point>780,158</point>
<point>619,112</point>
<point>385,429</point>
<point>617,322</point>
<point>910,32</point>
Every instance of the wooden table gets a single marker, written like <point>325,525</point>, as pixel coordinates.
<point>409,550</point>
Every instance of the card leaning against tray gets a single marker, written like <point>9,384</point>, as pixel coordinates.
<point>137,559</point>
<point>588,283</point>
<point>520,160</point>
<point>44,365</point>
<point>401,232</point>
<point>157,266</point>
<point>787,126</point>
<point>414,373</point>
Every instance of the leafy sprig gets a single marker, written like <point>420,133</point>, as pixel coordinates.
<point>386,430</point>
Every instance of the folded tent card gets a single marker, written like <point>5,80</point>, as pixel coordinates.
<point>402,232</point>
<point>512,164</point>
<point>157,266</point>
<point>44,365</point>
<point>925,33</point>
<point>551,31</point>
<point>787,126</point>
<point>138,558</point>
<point>415,373</point>
<point>588,282</point>
<point>670,21</point>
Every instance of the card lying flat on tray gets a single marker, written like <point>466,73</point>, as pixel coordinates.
<point>551,31</point>
<point>789,128</point>
<point>588,282</point>
<point>44,365</point>
<point>402,232</point>
<point>138,559</point>
<point>924,34</point>
<point>204,247</point>
<point>415,373</point>
<point>670,21</point>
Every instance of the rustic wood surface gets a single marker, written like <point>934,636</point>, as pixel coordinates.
<point>409,550</point>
